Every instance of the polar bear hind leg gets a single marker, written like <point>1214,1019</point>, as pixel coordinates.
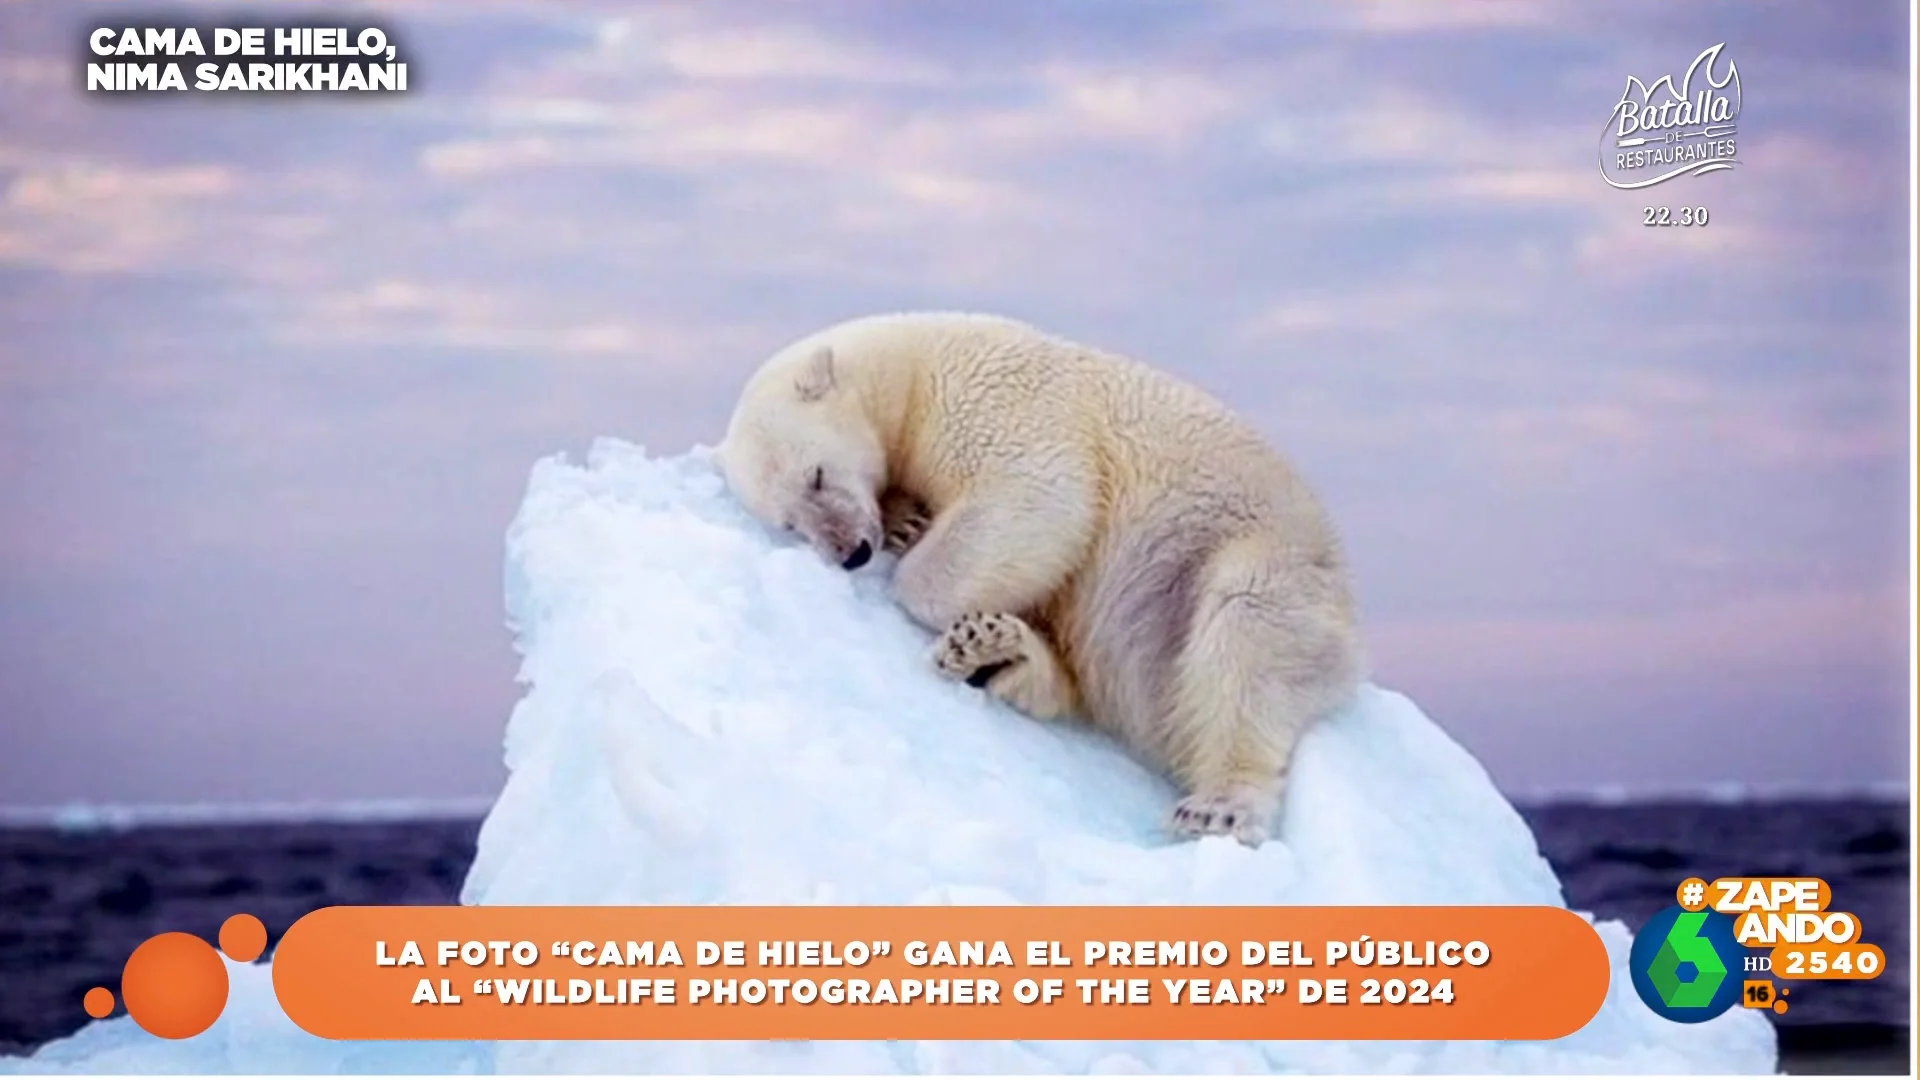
<point>1269,651</point>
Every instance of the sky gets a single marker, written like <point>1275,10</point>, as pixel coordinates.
<point>1628,507</point>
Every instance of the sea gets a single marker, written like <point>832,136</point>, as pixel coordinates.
<point>78,893</point>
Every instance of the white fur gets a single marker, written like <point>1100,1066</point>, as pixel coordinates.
<point>1149,561</point>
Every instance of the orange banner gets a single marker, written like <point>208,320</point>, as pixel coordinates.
<point>940,973</point>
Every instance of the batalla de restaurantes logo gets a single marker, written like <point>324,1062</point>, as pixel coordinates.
<point>1661,130</point>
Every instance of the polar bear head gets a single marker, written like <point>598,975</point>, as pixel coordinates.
<point>802,454</point>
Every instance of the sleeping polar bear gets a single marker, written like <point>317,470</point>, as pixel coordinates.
<point>1086,534</point>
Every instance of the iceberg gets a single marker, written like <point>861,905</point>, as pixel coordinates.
<point>714,715</point>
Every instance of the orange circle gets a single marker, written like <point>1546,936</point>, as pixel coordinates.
<point>243,938</point>
<point>175,985</point>
<point>1698,900</point>
<point>1779,1006</point>
<point>98,1002</point>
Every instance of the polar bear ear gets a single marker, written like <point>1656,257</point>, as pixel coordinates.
<point>816,376</point>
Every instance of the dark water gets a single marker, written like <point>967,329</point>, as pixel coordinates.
<point>73,905</point>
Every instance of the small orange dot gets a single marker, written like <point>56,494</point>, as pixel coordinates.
<point>98,1002</point>
<point>243,938</point>
<point>175,985</point>
<point>1779,1006</point>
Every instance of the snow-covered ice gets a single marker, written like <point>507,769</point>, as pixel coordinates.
<point>714,715</point>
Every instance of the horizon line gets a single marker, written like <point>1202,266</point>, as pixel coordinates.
<point>82,816</point>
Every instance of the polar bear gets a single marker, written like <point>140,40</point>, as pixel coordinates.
<point>1087,536</point>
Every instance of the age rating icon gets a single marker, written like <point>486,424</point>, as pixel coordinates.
<point>1761,994</point>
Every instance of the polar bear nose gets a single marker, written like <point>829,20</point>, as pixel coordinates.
<point>859,557</point>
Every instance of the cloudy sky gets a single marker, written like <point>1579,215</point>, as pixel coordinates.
<point>1628,505</point>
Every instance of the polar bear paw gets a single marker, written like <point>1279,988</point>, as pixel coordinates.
<point>1239,812</point>
<point>979,646</point>
<point>903,521</point>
